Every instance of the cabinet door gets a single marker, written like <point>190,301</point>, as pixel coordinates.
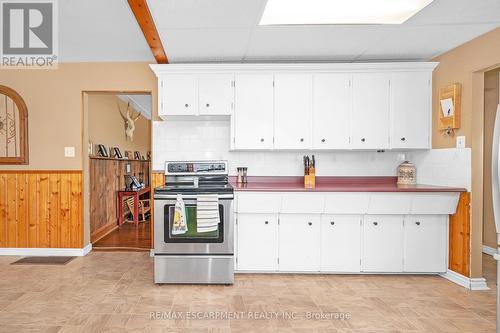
<point>331,111</point>
<point>370,114</point>
<point>216,94</point>
<point>410,110</point>
<point>340,243</point>
<point>257,242</point>
<point>382,243</point>
<point>292,111</point>
<point>299,242</point>
<point>253,119</point>
<point>180,94</point>
<point>425,243</point>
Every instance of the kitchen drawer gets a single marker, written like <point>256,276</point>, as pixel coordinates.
<point>303,203</point>
<point>435,203</point>
<point>258,202</point>
<point>390,203</point>
<point>346,203</point>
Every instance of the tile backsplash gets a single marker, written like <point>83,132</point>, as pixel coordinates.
<point>210,139</point>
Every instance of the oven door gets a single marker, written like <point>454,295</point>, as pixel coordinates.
<point>194,241</point>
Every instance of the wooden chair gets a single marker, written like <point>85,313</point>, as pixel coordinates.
<point>144,208</point>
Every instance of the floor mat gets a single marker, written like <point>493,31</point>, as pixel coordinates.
<point>51,260</point>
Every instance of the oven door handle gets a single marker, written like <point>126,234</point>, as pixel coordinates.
<point>189,197</point>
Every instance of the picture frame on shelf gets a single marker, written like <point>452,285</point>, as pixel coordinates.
<point>118,153</point>
<point>102,151</point>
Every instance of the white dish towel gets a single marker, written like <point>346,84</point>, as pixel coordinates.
<point>207,212</point>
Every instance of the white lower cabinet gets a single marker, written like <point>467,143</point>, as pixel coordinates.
<point>382,243</point>
<point>425,243</point>
<point>340,243</point>
<point>299,236</point>
<point>257,242</point>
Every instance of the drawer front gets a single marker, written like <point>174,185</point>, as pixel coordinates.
<point>258,202</point>
<point>435,203</point>
<point>303,203</point>
<point>346,203</point>
<point>390,203</point>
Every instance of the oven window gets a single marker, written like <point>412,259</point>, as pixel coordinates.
<point>193,233</point>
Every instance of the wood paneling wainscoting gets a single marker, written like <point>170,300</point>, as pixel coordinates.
<point>41,209</point>
<point>459,243</point>
<point>106,178</point>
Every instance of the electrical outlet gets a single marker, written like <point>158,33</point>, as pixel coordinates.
<point>460,142</point>
<point>401,157</point>
<point>69,151</point>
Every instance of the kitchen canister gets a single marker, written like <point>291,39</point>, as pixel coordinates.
<point>407,174</point>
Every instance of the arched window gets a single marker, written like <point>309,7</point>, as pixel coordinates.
<point>13,127</point>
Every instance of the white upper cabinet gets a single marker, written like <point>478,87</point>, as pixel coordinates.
<point>332,96</point>
<point>370,113</point>
<point>292,111</point>
<point>179,95</point>
<point>216,94</point>
<point>411,110</point>
<point>253,115</point>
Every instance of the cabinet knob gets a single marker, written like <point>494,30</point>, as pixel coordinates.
<point>267,222</point>
<point>208,105</point>
<point>323,140</point>
<point>261,139</point>
<point>310,223</point>
<point>332,222</point>
<point>375,223</point>
<point>363,139</point>
<point>186,105</point>
<point>403,139</point>
<point>301,139</point>
<point>417,223</point>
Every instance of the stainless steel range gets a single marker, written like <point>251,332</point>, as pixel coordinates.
<point>195,255</point>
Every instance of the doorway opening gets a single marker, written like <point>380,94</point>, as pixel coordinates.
<point>117,169</point>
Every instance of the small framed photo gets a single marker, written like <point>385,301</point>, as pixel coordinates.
<point>118,153</point>
<point>137,155</point>
<point>102,151</point>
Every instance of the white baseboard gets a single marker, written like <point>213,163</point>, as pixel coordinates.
<point>70,252</point>
<point>469,283</point>
<point>489,250</point>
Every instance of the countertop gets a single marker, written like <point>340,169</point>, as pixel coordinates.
<point>335,184</point>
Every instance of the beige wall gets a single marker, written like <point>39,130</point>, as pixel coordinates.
<point>106,126</point>
<point>491,92</point>
<point>54,99</point>
<point>466,65</point>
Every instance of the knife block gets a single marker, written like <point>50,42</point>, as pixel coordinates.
<point>310,181</point>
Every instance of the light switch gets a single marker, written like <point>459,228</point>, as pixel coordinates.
<point>69,151</point>
<point>460,142</point>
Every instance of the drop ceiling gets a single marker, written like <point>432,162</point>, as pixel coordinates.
<point>228,31</point>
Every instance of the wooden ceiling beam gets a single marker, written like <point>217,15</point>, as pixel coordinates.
<point>145,20</point>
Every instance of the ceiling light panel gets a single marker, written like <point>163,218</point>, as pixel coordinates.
<point>301,12</point>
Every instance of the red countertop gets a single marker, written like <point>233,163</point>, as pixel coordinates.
<point>335,184</point>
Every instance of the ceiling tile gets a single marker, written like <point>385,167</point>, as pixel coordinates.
<point>174,14</point>
<point>313,42</point>
<point>94,30</point>
<point>190,45</point>
<point>423,42</point>
<point>441,12</point>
